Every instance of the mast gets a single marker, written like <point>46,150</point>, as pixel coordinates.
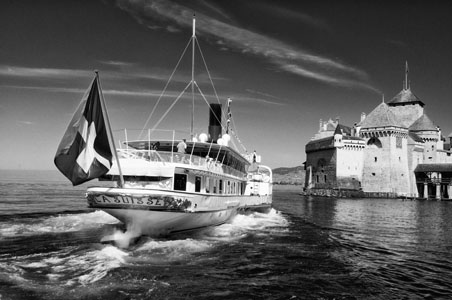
<point>407,85</point>
<point>193,77</point>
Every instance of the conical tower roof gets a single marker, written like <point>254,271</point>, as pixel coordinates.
<point>406,96</point>
<point>423,124</point>
<point>381,116</point>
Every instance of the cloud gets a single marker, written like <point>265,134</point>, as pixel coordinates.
<point>267,96</point>
<point>18,71</point>
<point>294,15</point>
<point>145,93</point>
<point>26,122</point>
<point>284,56</point>
<point>113,70</point>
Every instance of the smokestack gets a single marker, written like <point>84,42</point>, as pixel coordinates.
<point>214,122</point>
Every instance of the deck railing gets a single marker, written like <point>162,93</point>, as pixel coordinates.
<point>179,158</point>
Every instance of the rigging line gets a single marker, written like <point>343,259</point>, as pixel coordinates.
<point>202,95</point>
<point>216,95</point>
<point>238,140</point>
<point>207,69</point>
<point>172,105</point>
<point>164,89</point>
<point>235,132</point>
<point>235,146</point>
<point>210,77</point>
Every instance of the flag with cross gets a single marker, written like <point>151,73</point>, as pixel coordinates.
<point>84,152</point>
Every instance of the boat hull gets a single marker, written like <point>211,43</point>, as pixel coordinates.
<point>158,212</point>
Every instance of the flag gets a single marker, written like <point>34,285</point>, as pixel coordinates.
<point>84,152</point>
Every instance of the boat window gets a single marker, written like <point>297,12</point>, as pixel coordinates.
<point>197,184</point>
<point>220,187</point>
<point>180,182</point>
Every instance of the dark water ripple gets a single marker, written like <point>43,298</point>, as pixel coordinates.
<point>307,248</point>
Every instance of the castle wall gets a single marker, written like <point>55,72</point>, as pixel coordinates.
<point>376,163</point>
<point>443,156</point>
<point>400,175</point>
<point>349,166</point>
<point>415,157</point>
<point>323,168</point>
<point>385,168</point>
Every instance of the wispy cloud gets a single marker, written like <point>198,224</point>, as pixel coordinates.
<point>18,71</point>
<point>284,56</point>
<point>112,70</point>
<point>26,123</point>
<point>136,93</point>
<point>277,10</point>
<point>267,95</point>
<point>55,73</point>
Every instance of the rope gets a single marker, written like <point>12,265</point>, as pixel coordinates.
<point>210,77</point>
<point>172,105</point>
<point>164,90</point>
<point>207,102</point>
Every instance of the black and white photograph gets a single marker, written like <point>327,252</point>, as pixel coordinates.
<point>208,149</point>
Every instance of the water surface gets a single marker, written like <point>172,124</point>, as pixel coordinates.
<point>305,248</point>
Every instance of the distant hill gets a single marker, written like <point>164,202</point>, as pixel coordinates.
<point>285,175</point>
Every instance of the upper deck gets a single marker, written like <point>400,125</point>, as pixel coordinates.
<point>195,153</point>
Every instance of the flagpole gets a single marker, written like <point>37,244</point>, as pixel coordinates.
<point>193,78</point>
<point>109,132</point>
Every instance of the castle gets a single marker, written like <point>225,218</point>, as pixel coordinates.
<point>394,151</point>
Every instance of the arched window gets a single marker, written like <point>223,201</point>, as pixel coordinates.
<point>374,143</point>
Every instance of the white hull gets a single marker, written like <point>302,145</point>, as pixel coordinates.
<point>158,212</point>
<point>157,223</point>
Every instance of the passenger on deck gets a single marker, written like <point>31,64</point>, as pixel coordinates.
<point>181,146</point>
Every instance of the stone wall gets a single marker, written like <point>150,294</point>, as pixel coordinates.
<point>344,193</point>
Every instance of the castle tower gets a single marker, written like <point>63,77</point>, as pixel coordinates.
<point>428,132</point>
<point>385,164</point>
<point>406,105</point>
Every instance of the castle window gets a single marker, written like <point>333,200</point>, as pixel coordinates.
<point>433,147</point>
<point>324,177</point>
<point>373,174</point>
<point>318,178</point>
<point>375,159</point>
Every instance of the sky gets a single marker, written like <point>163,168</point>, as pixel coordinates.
<point>284,64</point>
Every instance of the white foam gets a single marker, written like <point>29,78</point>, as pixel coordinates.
<point>61,223</point>
<point>101,262</point>
<point>80,267</point>
<point>173,249</point>
<point>123,239</point>
<point>242,225</point>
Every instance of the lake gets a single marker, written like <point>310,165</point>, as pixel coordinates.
<point>305,248</point>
